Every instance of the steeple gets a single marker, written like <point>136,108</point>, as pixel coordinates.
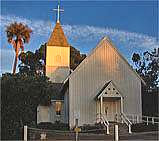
<point>57,37</point>
<point>57,53</point>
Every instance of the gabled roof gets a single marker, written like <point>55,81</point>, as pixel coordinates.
<point>64,87</point>
<point>100,93</point>
<point>106,39</point>
<point>57,37</point>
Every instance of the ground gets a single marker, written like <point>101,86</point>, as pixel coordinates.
<point>151,136</point>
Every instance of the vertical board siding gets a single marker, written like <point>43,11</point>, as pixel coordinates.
<point>66,106</point>
<point>102,65</point>
<point>52,112</point>
<point>48,114</point>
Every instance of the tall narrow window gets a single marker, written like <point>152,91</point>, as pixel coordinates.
<point>58,107</point>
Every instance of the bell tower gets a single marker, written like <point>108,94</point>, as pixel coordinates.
<point>57,53</point>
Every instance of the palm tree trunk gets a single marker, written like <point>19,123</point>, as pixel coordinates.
<point>16,57</point>
<point>15,63</point>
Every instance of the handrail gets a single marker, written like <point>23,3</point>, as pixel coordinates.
<point>141,118</point>
<point>127,121</point>
<point>150,117</point>
<point>104,120</point>
<point>125,118</point>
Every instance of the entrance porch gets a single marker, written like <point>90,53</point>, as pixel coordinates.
<point>110,107</point>
<point>109,102</point>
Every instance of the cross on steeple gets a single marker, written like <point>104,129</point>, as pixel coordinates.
<point>58,11</point>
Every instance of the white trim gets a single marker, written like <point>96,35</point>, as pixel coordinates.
<point>121,106</point>
<point>101,105</point>
<point>64,81</point>
<point>107,95</point>
<point>56,100</point>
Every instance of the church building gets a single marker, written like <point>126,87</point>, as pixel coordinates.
<point>103,85</point>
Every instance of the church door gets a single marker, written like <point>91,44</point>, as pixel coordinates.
<point>110,109</point>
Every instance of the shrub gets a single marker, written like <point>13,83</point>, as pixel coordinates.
<point>53,126</point>
<point>142,127</point>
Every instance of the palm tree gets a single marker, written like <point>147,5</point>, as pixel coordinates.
<point>17,35</point>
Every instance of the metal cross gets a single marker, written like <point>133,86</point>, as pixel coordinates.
<point>58,11</point>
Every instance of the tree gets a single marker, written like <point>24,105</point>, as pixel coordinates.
<point>17,35</point>
<point>76,58</point>
<point>136,58</point>
<point>20,96</point>
<point>147,67</point>
<point>33,62</point>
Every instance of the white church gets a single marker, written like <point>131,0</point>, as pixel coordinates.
<point>102,88</point>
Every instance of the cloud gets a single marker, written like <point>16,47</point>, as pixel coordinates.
<point>38,27</point>
<point>86,33</point>
<point>86,37</point>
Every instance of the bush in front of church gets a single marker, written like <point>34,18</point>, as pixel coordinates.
<point>143,127</point>
<point>53,126</point>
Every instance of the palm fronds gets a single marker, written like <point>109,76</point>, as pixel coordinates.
<point>18,31</point>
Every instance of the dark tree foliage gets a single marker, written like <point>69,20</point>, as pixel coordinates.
<point>33,63</point>
<point>136,58</point>
<point>20,96</point>
<point>147,66</point>
<point>76,58</point>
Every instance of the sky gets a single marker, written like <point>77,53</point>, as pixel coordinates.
<point>131,25</point>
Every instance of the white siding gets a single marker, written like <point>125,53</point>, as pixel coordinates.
<point>48,113</point>
<point>66,106</point>
<point>43,114</point>
<point>103,64</point>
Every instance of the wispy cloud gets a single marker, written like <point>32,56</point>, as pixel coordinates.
<point>38,27</point>
<point>83,34</point>
<point>86,33</point>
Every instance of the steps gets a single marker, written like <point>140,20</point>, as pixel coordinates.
<point>122,127</point>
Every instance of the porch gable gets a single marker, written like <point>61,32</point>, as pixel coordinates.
<point>109,90</point>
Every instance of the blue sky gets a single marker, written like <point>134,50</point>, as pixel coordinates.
<point>131,25</point>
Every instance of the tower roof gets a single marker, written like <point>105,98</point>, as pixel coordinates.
<point>57,37</point>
